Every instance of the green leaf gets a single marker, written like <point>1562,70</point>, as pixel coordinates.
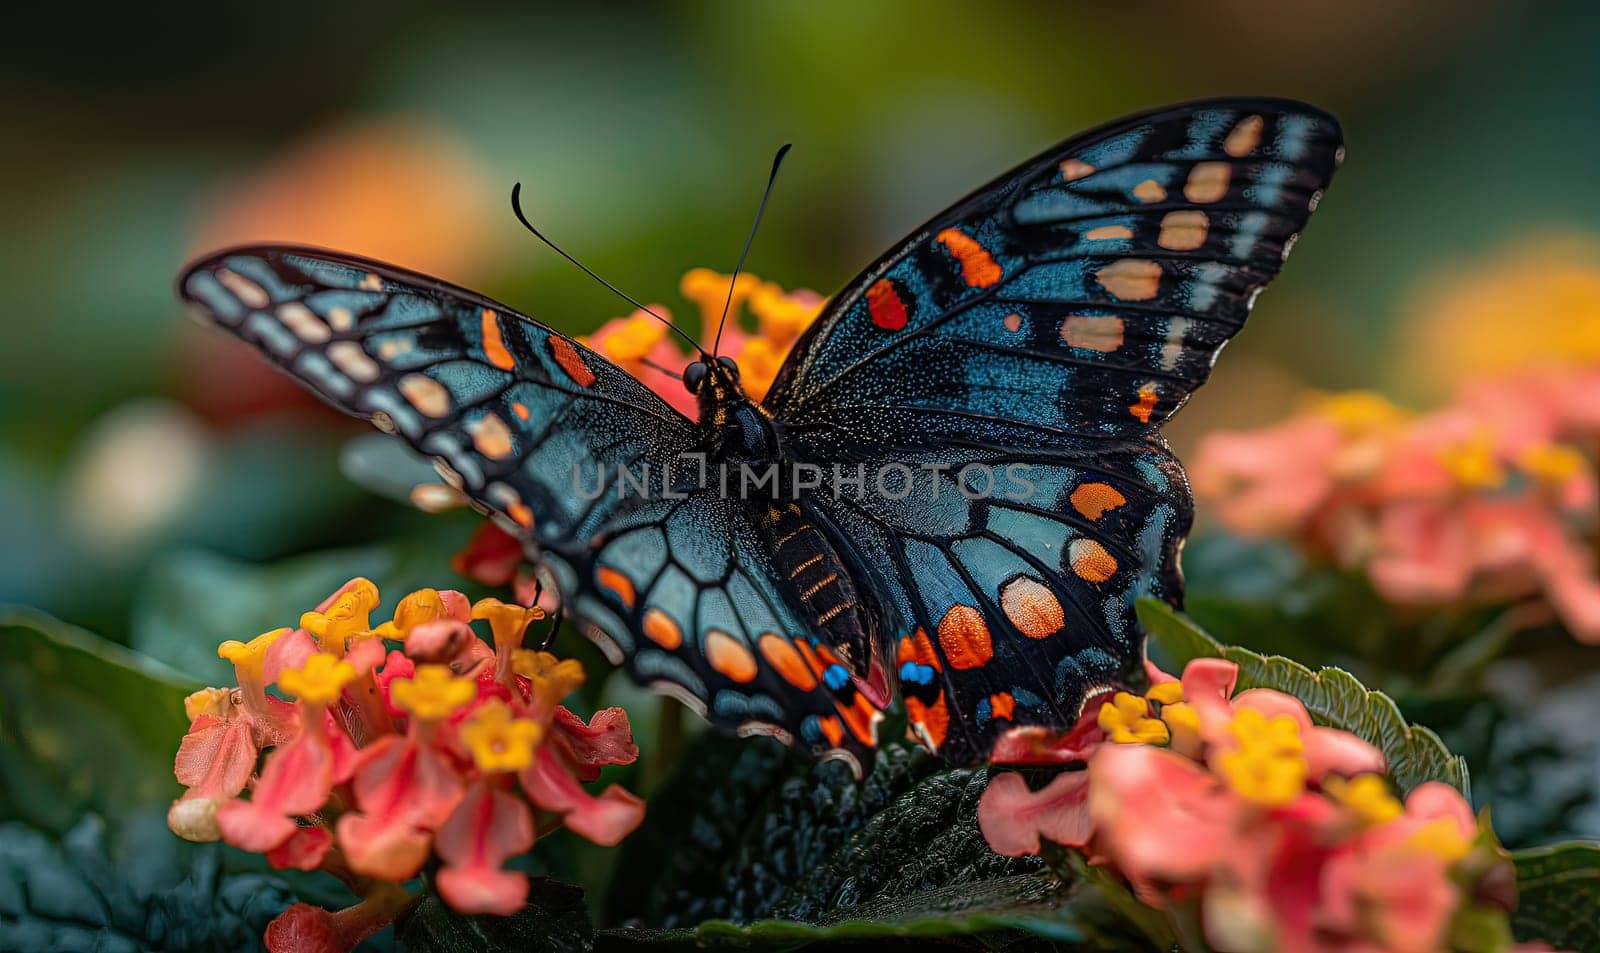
<point>1332,695</point>
<point>747,846</point>
<point>745,831</point>
<point>86,726</point>
<point>1037,905</point>
<point>556,920</point>
<point>1558,899</point>
<point>194,599</point>
<point>143,890</point>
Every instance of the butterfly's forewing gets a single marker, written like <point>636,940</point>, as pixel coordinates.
<point>1054,318</point>
<point>529,423</point>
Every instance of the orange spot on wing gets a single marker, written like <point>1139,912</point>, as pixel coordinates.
<point>1108,231</point>
<point>494,346</point>
<point>1146,404</point>
<point>1183,230</point>
<point>730,656</point>
<point>930,722</point>
<point>1074,169</point>
<point>861,718</point>
<point>916,648</point>
<point>1090,560</point>
<point>1032,608</point>
<point>1149,191</point>
<point>1013,322</point>
<point>1101,333</point>
<point>809,654</point>
<point>521,513</point>
<point>521,410</point>
<point>660,629</point>
<point>1002,705</point>
<point>964,637</point>
<point>978,267</point>
<point>1244,137</point>
<point>571,361</point>
<point>831,729</point>
<point>616,581</point>
<point>1131,279</point>
<point>787,661</point>
<point>1208,182</point>
<point>492,437</point>
<point>427,395</point>
<point>1094,499</point>
<point>883,301</point>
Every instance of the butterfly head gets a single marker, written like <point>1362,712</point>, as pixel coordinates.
<point>713,380</point>
<point>747,430</point>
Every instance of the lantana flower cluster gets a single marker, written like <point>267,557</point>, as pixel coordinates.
<point>1274,833</point>
<point>1488,499</point>
<point>387,745</point>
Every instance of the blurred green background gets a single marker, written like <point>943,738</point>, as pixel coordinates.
<point>149,463</point>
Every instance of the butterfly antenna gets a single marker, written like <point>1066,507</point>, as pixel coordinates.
<point>772,178</point>
<point>516,207</point>
<point>659,367</point>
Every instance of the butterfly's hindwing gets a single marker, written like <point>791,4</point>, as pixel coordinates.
<point>1007,593</point>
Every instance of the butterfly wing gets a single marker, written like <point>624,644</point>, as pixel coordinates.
<point>1054,319</point>
<point>530,424</point>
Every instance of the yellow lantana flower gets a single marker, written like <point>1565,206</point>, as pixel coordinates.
<point>1473,463</point>
<point>709,290</point>
<point>1365,796</point>
<point>507,620</point>
<point>348,617</point>
<point>1126,719</point>
<point>500,742</point>
<point>320,680</point>
<point>1268,766</point>
<point>782,317</point>
<point>433,693</point>
<point>1552,464</point>
<point>417,608</point>
<point>249,658</point>
<point>552,679</point>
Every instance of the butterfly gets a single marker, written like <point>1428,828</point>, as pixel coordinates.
<point>1032,337</point>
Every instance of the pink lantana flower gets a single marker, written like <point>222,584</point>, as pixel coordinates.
<point>1487,499</point>
<point>405,739</point>
<point>299,774</point>
<point>1283,834</point>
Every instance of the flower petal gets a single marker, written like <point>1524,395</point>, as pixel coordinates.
<point>295,781</point>
<point>403,790</point>
<point>606,819</point>
<point>304,849</point>
<point>488,827</point>
<point>1013,818</point>
<point>606,739</point>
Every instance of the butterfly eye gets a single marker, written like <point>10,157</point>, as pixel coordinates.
<point>694,375</point>
<point>727,364</point>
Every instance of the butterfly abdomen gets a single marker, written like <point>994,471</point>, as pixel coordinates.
<point>819,584</point>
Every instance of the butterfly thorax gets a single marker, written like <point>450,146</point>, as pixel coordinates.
<point>816,579</point>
